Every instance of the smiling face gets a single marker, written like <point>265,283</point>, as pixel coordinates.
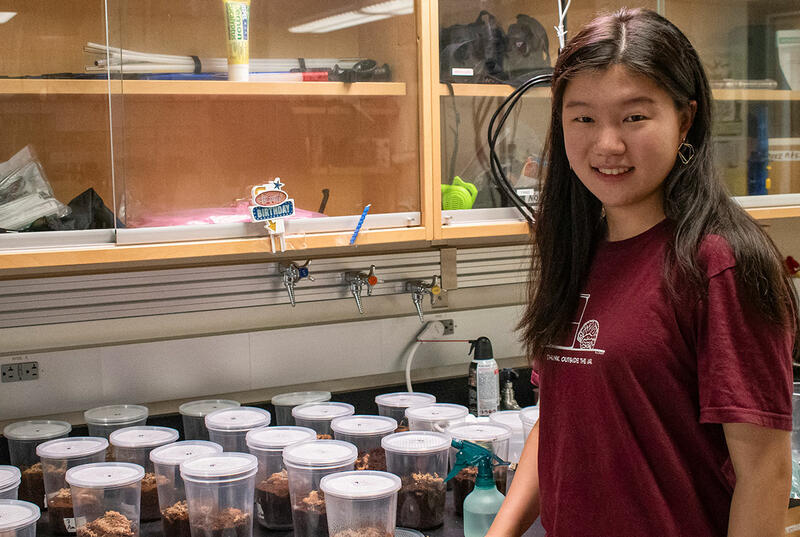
<point>622,133</point>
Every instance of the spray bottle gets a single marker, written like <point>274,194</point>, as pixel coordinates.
<point>482,504</point>
<point>484,378</point>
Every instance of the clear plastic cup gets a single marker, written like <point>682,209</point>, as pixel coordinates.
<point>194,413</point>
<point>529,416</point>
<point>307,463</point>
<point>171,489</point>
<point>435,417</point>
<point>273,506</point>
<point>492,436</point>
<point>318,416</point>
<point>361,503</point>
<point>394,405</point>
<point>104,420</point>
<point>57,457</point>
<point>285,402</point>
<point>23,437</point>
<point>365,432</point>
<point>10,478</point>
<point>228,427</point>
<point>106,498</point>
<point>134,444</point>
<point>420,459</point>
<point>18,518</point>
<point>219,494</point>
<point>511,418</point>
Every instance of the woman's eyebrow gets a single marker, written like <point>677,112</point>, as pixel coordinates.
<point>642,99</point>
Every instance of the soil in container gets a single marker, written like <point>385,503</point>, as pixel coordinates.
<point>363,532</point>
<point>272,496</point>
<point>464,483</point>
<point>374,459</point>
<point>149,504</point>
<point>111,524</point>
<point>175,520</point>
<point>228,522</point>
<point>31,488</point>
<point>59,512</point>
<point>420,501</point>
<point>309,515</point>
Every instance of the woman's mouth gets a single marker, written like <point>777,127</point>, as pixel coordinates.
<point>613,173</point>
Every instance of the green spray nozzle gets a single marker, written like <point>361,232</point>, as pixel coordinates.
<point>471,454</point>
<point>459,195</point>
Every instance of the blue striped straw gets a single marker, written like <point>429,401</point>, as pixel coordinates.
<point>360,223</point>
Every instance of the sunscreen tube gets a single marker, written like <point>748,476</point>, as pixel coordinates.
<point>237,19</point>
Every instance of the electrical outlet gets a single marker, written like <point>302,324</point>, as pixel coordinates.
<point>10,372</point>
<point>29,371</point>
<point>449,327</point>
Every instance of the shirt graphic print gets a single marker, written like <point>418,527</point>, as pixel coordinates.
<point>583,337</point>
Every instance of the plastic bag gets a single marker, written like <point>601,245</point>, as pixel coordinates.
<point>25,193</point>
<point>795,492</point>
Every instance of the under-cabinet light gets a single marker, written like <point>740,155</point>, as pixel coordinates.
<point>392,7</point>
<point>6,16</point>
<point>348,19</point>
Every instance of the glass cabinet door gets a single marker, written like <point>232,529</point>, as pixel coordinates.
<point>331,108</point>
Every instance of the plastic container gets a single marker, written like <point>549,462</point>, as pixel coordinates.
<point>361,503</point>
<point>365,432</point>
<point>228,427</point>
<point>511,419</point>
<point>106,498</point>
<point>318,416</point>
<point>529,416</point>
<point>171,490</point>
<point>23,437</point>
<point>194,413</point>
<point>18,518</point>
<point>134,444</point>
<point>394,405</point>
<point>273,507</point>
<point>104,420</point>
<point>307,463</point>
<point>10,477</point>
<point>219,494</point>
<point>494,437</point>
<point>436,417</point>
<point>285,402</point>
<point>420,459</point>
<point>57,457</point>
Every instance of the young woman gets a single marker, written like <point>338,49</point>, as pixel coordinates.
<point>661,324</point>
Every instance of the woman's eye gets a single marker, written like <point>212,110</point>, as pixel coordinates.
<point>583,119</point>
<point>635,117</point>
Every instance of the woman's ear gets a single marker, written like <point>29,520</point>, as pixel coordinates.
<point>687,118</point>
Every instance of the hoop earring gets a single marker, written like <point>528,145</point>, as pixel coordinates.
<point>686,152</point>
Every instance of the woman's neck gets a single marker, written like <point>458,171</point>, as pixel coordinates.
<point>623,224</point>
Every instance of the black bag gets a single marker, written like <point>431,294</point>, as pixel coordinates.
<point>473,52</point>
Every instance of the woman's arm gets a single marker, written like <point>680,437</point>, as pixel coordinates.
<point>521,506</point>
<point>762,461</point>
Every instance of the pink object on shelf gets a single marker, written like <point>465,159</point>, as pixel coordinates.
<point>207,215</point>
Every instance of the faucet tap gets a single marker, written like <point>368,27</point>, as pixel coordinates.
<point>356,281</point>
<point>419,289</point>
<point>291,273</point>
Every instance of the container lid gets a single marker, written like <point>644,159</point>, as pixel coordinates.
<point>480,432</point>
<point>104,475</point>
<point>177,452</point>
<point>364,425</point>
<point>320,453</point>
<point>198,409</point>
<point>360,485</point>
<point>324,411</point>
<point>16,514</point>
<point>529,415</point>
<point>220,465</point>
<point>511,418</point>
<point>36,430</point>
<point>71,448</point>
<point>9,476</point>
<point>278,437</point>
<point>115,414</point>
<point>437,412</point>
<point>242,418</point>
<point>405,399</point>
<point>143,436</point>
<point>416,442</point>
<point>407,532</point>
<point>300,398</point>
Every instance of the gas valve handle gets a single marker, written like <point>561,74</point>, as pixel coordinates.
<point>356,281</point>
<point>291,273</point>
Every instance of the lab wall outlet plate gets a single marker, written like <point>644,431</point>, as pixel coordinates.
<point>10,372</point>
<point>449,326</point>
<point>28,370</point>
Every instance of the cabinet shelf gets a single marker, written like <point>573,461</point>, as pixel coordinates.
<point>196,87</point>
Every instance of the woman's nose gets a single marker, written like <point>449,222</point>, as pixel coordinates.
<point>609,142</point>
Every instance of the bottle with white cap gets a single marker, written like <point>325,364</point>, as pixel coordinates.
<point>23,437</point>
<point>365,432</point>
<point>106,496</point>
<point>219,494</point>
<point>273,506</point>
<point>394,405</point>
<point>228,427</point>
<point>318,416</point>
<point>361,503</point>
<point>307,463</point>
<point>193,415</point>
<point>134,444</point>
<point>57,457</point>
<point>171,489</point>
<point>9,482</point>
<point>18,518</point>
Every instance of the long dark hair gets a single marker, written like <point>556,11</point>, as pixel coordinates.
<point>569,221</point>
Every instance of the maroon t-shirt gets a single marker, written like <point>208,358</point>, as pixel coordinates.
<point>631,441</point>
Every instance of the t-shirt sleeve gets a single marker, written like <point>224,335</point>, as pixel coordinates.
<point>744,361</point>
